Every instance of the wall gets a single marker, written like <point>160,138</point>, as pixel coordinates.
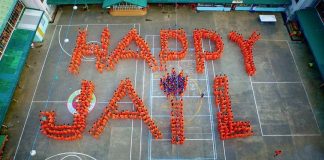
<point>37,4</point>
<point>300,5</point>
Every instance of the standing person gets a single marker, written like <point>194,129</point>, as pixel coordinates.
<point>277,153</point>
<point>202,95</point>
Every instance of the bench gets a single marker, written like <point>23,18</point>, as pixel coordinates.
<point>267,18</point>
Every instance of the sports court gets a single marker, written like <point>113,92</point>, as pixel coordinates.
<point>275,100</point>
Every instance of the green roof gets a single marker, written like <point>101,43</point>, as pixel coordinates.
<point>108,3</point>
<point>58,2</point>
<point>11,65</point>
<point>6,8</point>
<point>313,29</point>
<point>267,1</point>
<point>143,3</point>
<point>190,1</point>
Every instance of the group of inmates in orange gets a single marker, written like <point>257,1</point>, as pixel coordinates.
<point>101,53</point>
<point>74,131</point>
<point>177,121</point>
<point>166,54</point>
<point>123,52</point>
<point>227,127</point>
<point>111,111</point>
<point>83,49</point>
<point>246,49</point>
<point>201,55</point>
<point>78,52</point>
<point>174,85</point>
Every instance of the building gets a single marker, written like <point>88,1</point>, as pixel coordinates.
<point>20,27</point>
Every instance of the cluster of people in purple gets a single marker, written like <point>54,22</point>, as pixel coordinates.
<point>173,84</point>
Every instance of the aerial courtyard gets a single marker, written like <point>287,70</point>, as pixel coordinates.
<point>282,100</point>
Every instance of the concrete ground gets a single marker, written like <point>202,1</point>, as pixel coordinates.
<point>282,101</point>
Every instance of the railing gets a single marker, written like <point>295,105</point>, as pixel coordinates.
<point>126,7</point>
<point>10,26</point>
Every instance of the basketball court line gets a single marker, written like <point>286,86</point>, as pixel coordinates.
<point>41,73</point>
<point>131,144</point>
<point>140,147</point>
<point>224,150</point>
<point>291,135</point>
<point>275,82</point>
<point>202,115</point>
<point>183,158</point>
<point>153,79</point>
<point>200,79</point>
<point>39,77</point>
<point>85,59</point>
<point>67,101</point>
<point>151,103</point>
<point>212,125</point>
<point>273,40</point>
<point>182,96</point>
<point>256,105</point>
<point>190,133</point>
<point>310,105</point>
<point>99,24</point>
<point>187,139</point>
<point>70,153</point>
<point>206,79</point>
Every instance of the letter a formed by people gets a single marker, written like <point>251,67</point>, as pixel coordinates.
<point>122,51</point>
<point>111,111</point>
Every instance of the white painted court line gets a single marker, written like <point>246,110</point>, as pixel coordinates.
<point>274,40</point>
<point>39,77</point>
<point>156,35</point>
<point>224,150</point>
<point>191,79</point>
<point>310,105</point>
<point>182,96</point>
<point>151,103</point>
<point>131,144</point>
<point>189,49</point>
<point>140,150</point>
<point>202,115</point>
<point>190,133</point>
<point>212,126</point>
<point>187,139</point>
<point>101,24</point>
<point>200,158</point>
<point>275,82</point>
<point>84,59</point>
<point>67,101</point>
<point>256,105</point>
<point>70,154</point>
<point>291,135</point>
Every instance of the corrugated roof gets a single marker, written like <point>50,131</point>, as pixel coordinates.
<point>190,1</point>
<point>267,1</point>
<point>108,3</point>
<point>11,66</point>
<point>6,7</point>
<point>58,2</point>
